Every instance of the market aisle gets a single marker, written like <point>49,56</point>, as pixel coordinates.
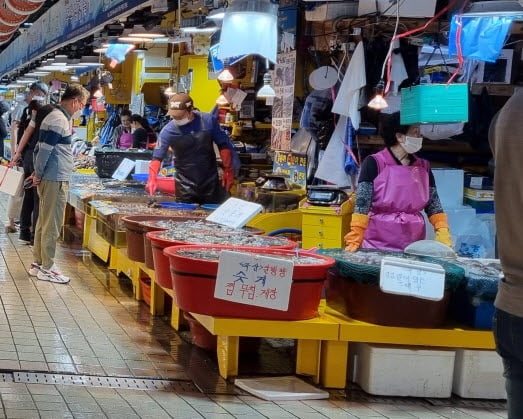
<point>93,327</point>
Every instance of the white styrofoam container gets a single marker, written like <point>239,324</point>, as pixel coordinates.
<point>450,185</point>
<point>478,375</point>
<point>403,371</point>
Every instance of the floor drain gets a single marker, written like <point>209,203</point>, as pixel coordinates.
<point>105,382</point>
<point>6,378</point>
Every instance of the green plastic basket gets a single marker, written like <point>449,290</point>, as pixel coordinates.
<point>350,265</point>
<point>434,103</point>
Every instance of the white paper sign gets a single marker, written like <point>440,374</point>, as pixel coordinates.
<point>126,167</point>
<point>235,212</point>
<point>254,280</point>
<point>141,167</point>
<point>412,278</point>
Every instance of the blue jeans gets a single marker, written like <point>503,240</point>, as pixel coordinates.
<point>508,332</point>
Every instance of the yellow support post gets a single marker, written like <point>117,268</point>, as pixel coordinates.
<point>227,352</point>
<point>333,364</point>
<point>308,358</point>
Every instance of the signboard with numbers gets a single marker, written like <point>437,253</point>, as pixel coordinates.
<point>292,164</point>
<point>235,212</point>
<point>261,281</point>
<point>412,278</point>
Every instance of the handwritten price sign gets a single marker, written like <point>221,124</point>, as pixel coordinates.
<point>412,278</point>
<point>254,280</point>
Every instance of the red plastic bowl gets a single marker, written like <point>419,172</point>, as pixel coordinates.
<point>166,184</point>
<point>194,282</point>
<point>161,262</point>
<point>136,227</point>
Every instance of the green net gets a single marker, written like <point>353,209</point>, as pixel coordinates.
<point>364,265</point>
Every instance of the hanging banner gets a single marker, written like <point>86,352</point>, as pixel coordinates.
<point>64,22</point>
<point>282,106</point>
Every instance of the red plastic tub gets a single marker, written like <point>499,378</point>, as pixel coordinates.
<point>161,262</point>
<point>194,282</point>
<point>136,227</point>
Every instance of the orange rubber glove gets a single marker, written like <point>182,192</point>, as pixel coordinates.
<point>152,181</point>
<point>228,170</point>
<point>441,228</point>
<point>354,238</point>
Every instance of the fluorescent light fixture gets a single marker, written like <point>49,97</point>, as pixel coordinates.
<point>217,14</point>
<point>141,32</point>
<point>37,73</point>
<point>195,29</point>
<point>100,50</point>
<point>498,8</point>
<point>266,91</point>
<point>15,85</point>
<point>162,40</point>
<point>75,78</point>
<point>250,27</point>
<point>133,40</point>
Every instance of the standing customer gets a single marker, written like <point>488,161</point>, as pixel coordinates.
<point>506,131</point>
<point>37,91</point>
<point>4,108</point>
<point>53,164</point>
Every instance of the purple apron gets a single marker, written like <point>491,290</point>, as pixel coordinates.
<point>125,141</point>
<point>400,194</point>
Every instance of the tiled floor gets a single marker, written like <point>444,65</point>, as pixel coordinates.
<point>93,327</point>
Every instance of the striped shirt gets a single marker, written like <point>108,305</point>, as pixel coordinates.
<point>53,158</point>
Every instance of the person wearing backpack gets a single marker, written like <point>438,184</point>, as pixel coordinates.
<point>31,127</point>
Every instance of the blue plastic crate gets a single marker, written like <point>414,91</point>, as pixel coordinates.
<point>471,310</point>
<point>434,103</point>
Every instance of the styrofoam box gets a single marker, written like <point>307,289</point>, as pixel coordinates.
<point>402,370</point>
<point>478,375</point>
<point>458,218</point>
<point>449,183</point>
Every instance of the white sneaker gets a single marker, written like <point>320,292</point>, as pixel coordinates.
<point>52,275</point>
<point>34,269</point>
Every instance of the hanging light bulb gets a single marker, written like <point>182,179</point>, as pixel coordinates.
<point>222,100</point>
<point>266,91</point>
<point>378,102</point>
<point>226,75</point>
<point>170,90</point>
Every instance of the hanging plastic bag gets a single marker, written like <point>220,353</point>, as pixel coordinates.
<point>482,38</point>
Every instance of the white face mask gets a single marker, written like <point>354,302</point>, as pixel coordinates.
<point>181,122</point>
<point>412,144</point>
<point>77,114</point>
<point>39,98</point>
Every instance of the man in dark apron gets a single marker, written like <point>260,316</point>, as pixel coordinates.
<point>191,135</point>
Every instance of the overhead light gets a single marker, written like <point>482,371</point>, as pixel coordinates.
<point>133,39</point>
<point>217,14</point>
<point>246,22</point>
<point>226,75</point>
<point>100,50</point>
<point>498,8</point>
<point>266,91</point>
<point>37,73</point>
<point>200,29</point>
<point>162,40</point>
<point>141,32</point>
<point>222,100</point>
<point>378,102</point>
<point>171,90</point>
<point>75,78</point>
<point>15,85</point>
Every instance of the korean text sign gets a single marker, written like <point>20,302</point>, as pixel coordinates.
<point>261,281</point>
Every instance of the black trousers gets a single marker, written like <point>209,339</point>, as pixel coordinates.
<point>29,212</point>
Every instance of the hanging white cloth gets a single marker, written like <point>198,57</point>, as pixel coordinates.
<point>347,100</point>
<point>331,167</point>
<point>398,72</point>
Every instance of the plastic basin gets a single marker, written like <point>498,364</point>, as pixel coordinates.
<point>137,226</point>
<point>194,282</point>
<point>161,261</point>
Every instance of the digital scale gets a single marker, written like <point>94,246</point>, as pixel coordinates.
<point>326,195</point>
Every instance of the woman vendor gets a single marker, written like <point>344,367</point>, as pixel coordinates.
<point>393,188</point>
